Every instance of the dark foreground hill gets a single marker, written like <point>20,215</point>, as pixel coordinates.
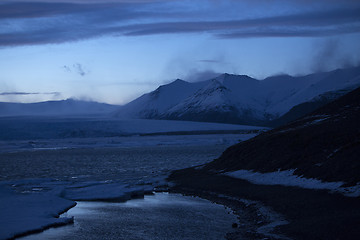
<point>323,145</point>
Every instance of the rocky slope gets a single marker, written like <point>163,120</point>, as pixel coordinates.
<point>323,145</point>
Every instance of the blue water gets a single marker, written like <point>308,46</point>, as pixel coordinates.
<point>161,216</point>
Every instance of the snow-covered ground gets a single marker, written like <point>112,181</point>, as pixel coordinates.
<point>288,178</point>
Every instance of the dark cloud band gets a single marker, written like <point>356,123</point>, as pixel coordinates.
<point>64,22</point>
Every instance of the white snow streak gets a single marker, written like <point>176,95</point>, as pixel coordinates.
<point>288,178</point>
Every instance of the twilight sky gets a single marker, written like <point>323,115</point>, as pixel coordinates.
<point>113,51</point>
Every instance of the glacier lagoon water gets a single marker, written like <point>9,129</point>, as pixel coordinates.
<point>160,216</point>
<point>130,165</point>
<point>134,166</point>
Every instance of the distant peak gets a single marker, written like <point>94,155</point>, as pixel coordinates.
<point>230,74</point>
<point>178,80</point>
<point>223,76</point>
<point>281,75</point>
<point>214,85</point>
<point>230,77</point>
<point>165,86</point>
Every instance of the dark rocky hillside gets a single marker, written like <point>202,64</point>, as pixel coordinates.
<point>323,145</point>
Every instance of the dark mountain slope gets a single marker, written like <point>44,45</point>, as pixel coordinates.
<point>306,108</point>
<point>323,145</point>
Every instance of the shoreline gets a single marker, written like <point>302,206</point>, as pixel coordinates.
<point>248,215</point>
<point>172,199</point>
<point>238,208</point>
<point>265,211</point>
<point>311,214</point>
<point>251,220</point>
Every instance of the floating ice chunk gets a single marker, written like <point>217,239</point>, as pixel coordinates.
<point>24,213</point>
<point>32,205</point>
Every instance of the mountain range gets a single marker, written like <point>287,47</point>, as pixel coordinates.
<point>56,108</point>
<point>243,100</point>
<point>227,98</point>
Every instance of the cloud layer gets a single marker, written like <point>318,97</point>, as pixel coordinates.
<point>43,22</point>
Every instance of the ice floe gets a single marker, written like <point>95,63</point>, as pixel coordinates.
<point>29,212</point>
<point>32,205</point>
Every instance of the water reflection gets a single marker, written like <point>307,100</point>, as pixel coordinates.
<point>160,216</point>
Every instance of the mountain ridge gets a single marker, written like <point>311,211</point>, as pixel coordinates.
<point>56,108</point>
<point>239,99</point>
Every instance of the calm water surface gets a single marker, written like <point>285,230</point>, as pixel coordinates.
<point>129,165</point>
<point>161,216</point>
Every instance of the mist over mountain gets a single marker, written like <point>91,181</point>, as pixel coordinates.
<point>241,99</point>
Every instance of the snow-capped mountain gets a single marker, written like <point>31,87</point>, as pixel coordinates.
<point>239,98</point>
<point>221,100</point>
<point>56,108</point>
<point>155,103</point>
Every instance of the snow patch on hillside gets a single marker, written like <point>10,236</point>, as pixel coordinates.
<point>288,178</point>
